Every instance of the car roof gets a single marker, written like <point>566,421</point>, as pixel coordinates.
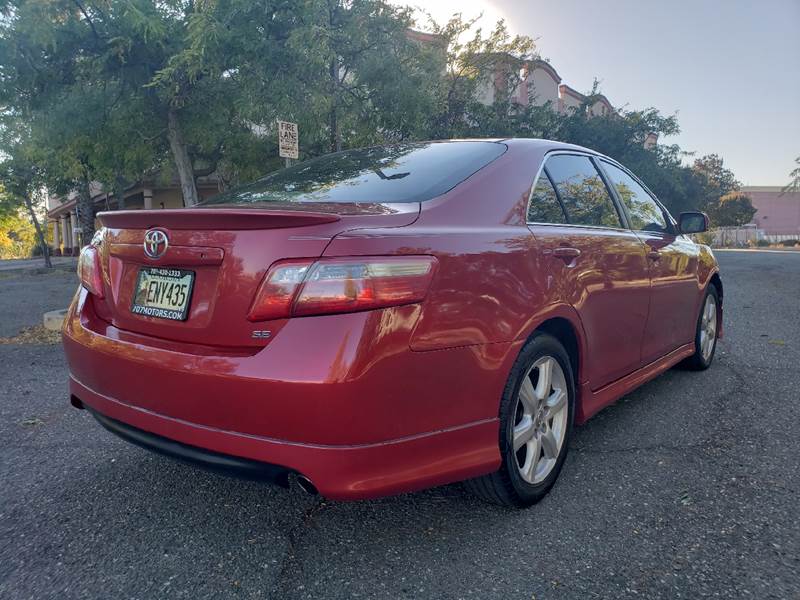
<point>545,145</point>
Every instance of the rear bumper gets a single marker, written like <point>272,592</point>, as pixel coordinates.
<point>214,461</point>
<point>338,472</point>
<point>341,400</point>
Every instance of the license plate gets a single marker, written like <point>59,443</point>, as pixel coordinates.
<point>163,293</point>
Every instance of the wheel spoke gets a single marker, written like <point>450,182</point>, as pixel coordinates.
<point>706,343</point>
<point>545,380</point>
<point>549,444</point>
<point>528,396</point>
<point>532,452</point>
<point>556,403</point>
<point>523,432</point>
<point>540,418</point>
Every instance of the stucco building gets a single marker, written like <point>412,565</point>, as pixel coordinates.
<point>777,212</point>
<point>539,84</point>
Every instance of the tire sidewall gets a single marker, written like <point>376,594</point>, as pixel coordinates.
<point>538,346</point>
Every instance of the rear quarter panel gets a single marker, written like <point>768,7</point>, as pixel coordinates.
<point>488,282</point>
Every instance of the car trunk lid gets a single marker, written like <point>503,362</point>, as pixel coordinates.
<point>225,252</point>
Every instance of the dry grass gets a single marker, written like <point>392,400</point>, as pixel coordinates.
<point>34,335</point>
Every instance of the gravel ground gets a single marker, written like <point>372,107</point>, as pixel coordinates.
<point>686,488</point>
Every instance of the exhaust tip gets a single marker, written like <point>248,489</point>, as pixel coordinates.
<point>306,485</point>
<point>75,401</point>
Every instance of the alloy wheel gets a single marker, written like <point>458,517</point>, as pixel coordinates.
<point>708,328</point>
<point>540,422</point>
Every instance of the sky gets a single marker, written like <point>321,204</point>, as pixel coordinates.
<point>730,69</point>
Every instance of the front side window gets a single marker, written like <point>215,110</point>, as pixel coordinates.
<point>645,214</point>
<point>583,193</point>
<point>412,172</point>
<point>544,206</point>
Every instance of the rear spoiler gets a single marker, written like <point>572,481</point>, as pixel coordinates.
<point>213,218</point>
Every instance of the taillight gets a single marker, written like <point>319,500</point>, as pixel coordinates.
<point>276,294</point>
<point>340,285</point>
<point>89,271</point>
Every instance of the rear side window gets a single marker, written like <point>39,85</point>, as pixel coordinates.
<point>544,206</point>
<point>412,172</point>
<point>645,214</point>
<point>582,191</point>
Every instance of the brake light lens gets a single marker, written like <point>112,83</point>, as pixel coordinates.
<point>327,286</point>
<point>89,271</point>
<point>276,294</point>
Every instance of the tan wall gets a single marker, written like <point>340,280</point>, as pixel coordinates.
<point>542,88</point>
<point>485,91</point>
<point>569,102</point>
<point>599,109</point>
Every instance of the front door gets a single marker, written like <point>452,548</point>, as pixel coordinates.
<point>673,267</point>
<point>673,302</point>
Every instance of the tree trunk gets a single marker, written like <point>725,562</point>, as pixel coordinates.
<point>183,162</point>
<point>333,121</point>
<point>85,208</point>
<point>39,233</point>
<point>120,185</point>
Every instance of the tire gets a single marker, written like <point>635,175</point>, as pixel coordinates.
<point>701,360</point>
<point>521,481</point>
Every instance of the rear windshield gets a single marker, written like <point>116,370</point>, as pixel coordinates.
<point>397,173</point>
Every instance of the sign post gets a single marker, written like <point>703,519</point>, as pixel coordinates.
<point>288,142</point>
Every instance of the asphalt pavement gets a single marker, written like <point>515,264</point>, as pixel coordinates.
<point>686,488</point>
<point>25,297</point>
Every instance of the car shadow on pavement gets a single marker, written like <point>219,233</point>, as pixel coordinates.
<point>160,515</point>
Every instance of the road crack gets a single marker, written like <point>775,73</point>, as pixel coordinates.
<point>290,566</point>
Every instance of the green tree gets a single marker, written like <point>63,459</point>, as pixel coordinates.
<point>348,71</point>
<point>20,191</point>
<point>362,71</point>
<point>17,235</point>
<point>115,89</point>
<point>732,210</point>
<point>114,67</point>
<point>471,68</point>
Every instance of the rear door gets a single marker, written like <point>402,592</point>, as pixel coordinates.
<point>596,263</point>
<point>673,267</point>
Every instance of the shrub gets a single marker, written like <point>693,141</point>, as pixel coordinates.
<point>706,238</point>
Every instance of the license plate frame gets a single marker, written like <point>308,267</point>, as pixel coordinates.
<point>141,304</point>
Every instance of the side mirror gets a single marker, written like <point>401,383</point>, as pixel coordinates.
<point>693,222</point>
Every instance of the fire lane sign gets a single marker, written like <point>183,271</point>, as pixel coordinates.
<point>288,141</point>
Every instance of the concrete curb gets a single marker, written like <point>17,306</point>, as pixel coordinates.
<point>14,272</point>
<point>54,319</point>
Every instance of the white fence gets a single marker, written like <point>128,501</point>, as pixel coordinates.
<point>747,235</point>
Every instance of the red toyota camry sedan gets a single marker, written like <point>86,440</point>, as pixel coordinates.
<point>388,319</point>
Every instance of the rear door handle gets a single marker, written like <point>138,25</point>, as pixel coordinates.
<point>566,253</point>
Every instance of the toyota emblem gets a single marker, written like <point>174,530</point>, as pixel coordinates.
<point>155,243</point>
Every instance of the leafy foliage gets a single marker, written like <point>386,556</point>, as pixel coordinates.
<point>17,236</point>
<point>116,91</point>
<point>733,209</point>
